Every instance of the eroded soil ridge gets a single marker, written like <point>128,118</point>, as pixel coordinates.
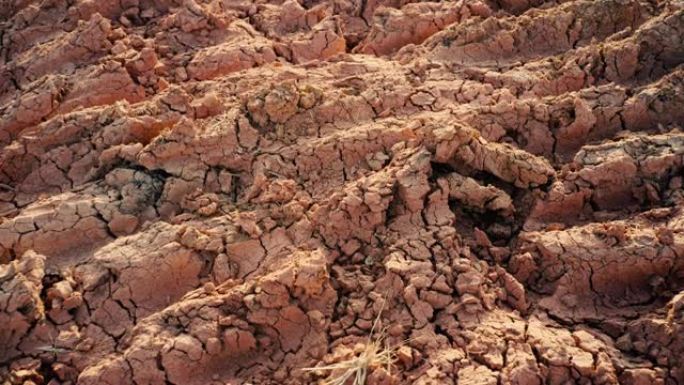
<point>228,191</point>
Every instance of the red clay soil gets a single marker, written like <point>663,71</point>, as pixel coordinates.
<point>211,192</point>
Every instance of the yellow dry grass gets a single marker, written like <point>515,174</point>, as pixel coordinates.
<point>376,353</point>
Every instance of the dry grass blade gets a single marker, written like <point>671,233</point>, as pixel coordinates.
<point>377,353</point>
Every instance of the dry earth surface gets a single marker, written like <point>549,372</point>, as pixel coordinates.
<point>228,191</point>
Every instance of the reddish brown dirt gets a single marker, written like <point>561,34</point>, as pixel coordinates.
<point>225,191</point>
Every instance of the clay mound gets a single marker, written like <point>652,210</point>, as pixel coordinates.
<point>228,192</point>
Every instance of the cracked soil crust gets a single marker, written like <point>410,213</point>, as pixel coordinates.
<point>224,192</point>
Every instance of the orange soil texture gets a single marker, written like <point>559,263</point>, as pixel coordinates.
<point>226,191</point>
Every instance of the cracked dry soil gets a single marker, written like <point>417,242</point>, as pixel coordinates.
<point>224,192</point>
